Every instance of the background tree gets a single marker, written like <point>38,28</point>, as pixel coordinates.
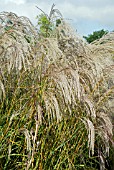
<point>95,35</point>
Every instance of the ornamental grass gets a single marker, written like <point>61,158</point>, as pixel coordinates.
<point>55,98</point>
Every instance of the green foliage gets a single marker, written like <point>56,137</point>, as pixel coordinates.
<point>48,23</point>
<point>58,21</point>
<point>46,26</point>
<point>95,35</point>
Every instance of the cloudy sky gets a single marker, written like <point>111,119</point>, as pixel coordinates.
<point>86,16</point>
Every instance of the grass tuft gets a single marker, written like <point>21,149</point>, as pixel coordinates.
<point>54,98</point>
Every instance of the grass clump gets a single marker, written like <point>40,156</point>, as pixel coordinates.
<point>52,104</point>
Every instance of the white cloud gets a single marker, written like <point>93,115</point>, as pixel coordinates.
<point>100,13</point>
<point>18,2</point>
<point>94,13</point>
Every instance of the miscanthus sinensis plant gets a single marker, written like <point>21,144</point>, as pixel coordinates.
<point>53,101</point>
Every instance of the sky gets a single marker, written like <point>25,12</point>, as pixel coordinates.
<point>85,16</point>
